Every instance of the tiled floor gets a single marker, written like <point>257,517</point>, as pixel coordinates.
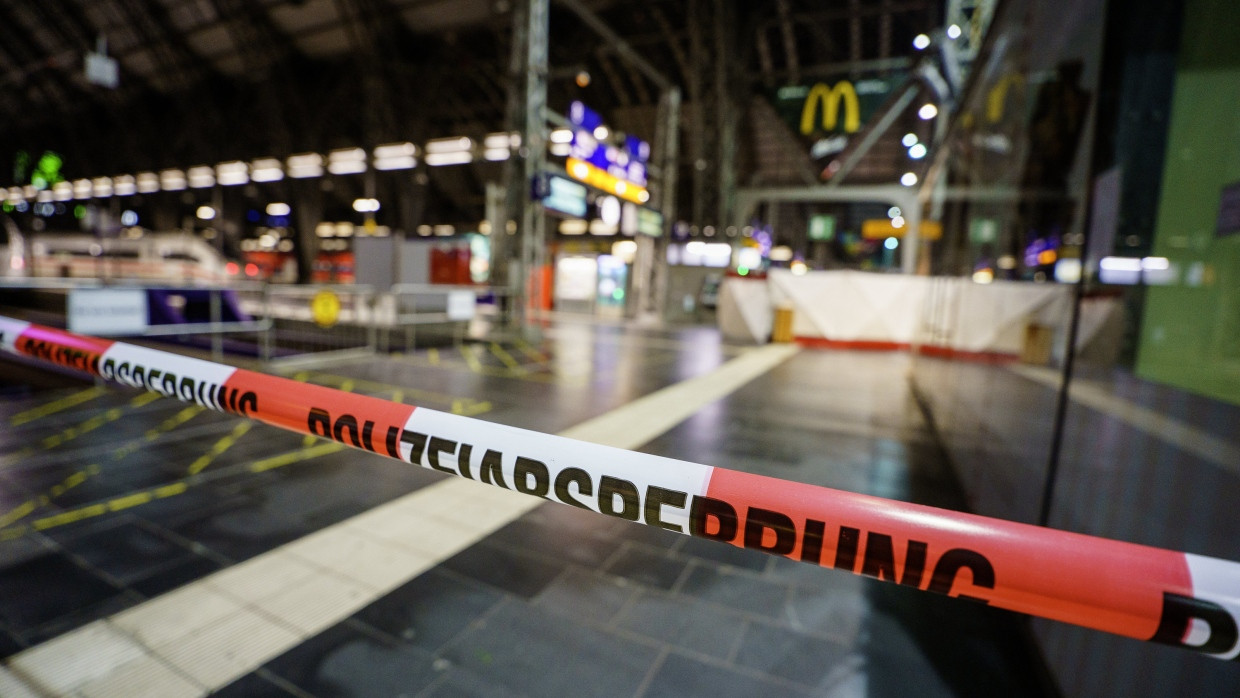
<point>558,602</point>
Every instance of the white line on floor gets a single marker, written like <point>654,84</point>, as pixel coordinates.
<point>1173,431</point>
<point>207,634</point>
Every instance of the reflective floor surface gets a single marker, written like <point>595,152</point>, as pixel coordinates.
<point>109,498</point>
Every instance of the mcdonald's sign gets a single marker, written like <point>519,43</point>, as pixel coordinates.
<point>830,99</point>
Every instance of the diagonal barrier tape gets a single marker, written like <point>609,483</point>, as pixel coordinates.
<point>1133,590</point>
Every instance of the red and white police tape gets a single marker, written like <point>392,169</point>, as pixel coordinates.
<point>1138,591</point>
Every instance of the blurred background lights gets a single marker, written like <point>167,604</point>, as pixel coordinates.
<point>921,41</point>
<point>928,111</point>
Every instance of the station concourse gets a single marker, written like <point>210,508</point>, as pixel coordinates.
<point>592,348</point>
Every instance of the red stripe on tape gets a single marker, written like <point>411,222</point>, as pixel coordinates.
<point>1104,584</point>
<point>62,348</point>
<point>355,420</point>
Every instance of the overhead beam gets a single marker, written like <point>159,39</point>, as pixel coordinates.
<point>621,46</point>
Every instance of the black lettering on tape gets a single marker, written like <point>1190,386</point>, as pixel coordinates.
<point>1178,611</point>
<point>185,391</point>
<point>811,543</point>
<point>705,509</point>
<point>462,460</point>
<point>491,469</point>
<point>585,486</point>
<point>319,422</point>
<point>528,468</point>
<point>630,501</point>
<point>417,444</point>
<point>346,422</point>
<point>759,521</point>
<point>656,497</point>
<point>914,564</point>
<point>139,376</point>
<point>393,442</point>
<point>880,557</point>
<point>952,562</point>
<point>846,549</point>
<point>368,428</point>
<point>437,446</point>
<point>249,401</point>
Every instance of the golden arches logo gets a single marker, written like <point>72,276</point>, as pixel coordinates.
<point>830,98</point>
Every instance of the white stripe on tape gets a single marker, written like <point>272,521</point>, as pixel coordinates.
<point>637,486</point>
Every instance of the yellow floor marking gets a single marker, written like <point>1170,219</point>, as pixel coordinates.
<point>504,356</point>
<point>467,351</point>
<point>525,348</point>
<point>55,406</point>
<point>295,456</point>
<point>219,447</point>
<point>433,356</point>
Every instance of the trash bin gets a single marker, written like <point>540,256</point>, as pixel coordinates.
<point>782,331</point>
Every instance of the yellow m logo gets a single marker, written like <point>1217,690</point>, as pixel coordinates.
<point>829,98</point>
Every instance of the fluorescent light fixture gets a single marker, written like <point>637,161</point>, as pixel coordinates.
<point>909,140</point>
<point>598,227</point>
<point>365,205</point>
<point>62,191</point>
<point>266,170</point>
<point>346,161</point>
<point>451,158</point>
<point>928,111</point>
<point>444,230</point>
<point>44,196</point>
<point>171,180</point>
<point>562,135</point>
<point>201,177</point>
<point>278,209</point>
<point>1155,263</point>
<point>205,213</point>
<point>424,229</point>
<point>102,187</point>
<point>305,165</point>
<point>230,174</point>
<point>395,156</point>
<point>123,185</point>
<point>344,229</point>
<point>148,182</point>
<point>908,179</point>
<point>560,149</point>
<point>917,151</point>
<point>953,32</point>
<point>82,189</point>
<point>921,41</point>
<point>1120,264</point>
<point>574,226</point>
<point>495,154</point>
<point>324,230</point>
<point>502,140</point>
<point>449,145</point>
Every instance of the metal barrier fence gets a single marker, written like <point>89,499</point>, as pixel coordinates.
<point>1142,592</point>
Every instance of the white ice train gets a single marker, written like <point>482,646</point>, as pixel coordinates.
<point>137,256</point>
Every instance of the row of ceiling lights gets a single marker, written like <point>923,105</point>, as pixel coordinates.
<point>495,147</point>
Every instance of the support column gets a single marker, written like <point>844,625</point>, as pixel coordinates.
<point>534,147</point>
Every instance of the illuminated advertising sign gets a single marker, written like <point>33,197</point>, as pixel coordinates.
<point>594,157</point>
<point>826,113</point>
